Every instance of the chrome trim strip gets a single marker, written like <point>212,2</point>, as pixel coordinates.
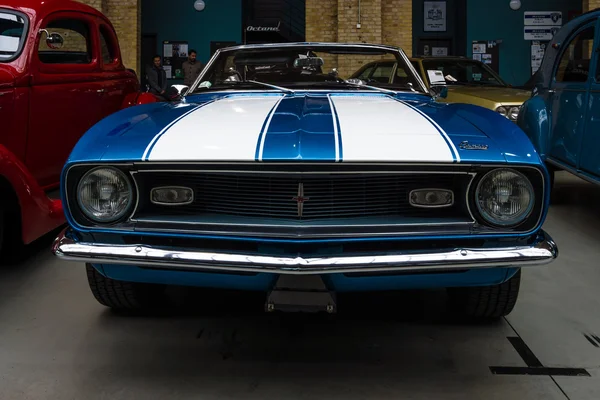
<point>571,170</point>
<point>301,226</point>
<point>271,231</point>
<point>137,194</point>
<point>542,251</point>
<point>447,165</point>
<point>332,172</point>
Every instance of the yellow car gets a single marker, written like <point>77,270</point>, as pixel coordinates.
<point>468,81</point>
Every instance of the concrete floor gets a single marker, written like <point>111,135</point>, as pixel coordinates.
<point>56,342</point>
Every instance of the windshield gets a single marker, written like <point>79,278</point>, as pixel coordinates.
<point>13,28</point>
<point>294,67</point>
<point>460,72</point>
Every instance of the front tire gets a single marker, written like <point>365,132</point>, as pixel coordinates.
<point>121,295</point>
<point>485,302</point>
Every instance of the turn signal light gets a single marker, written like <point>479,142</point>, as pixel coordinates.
<point>172,195</point>
<point>431,198</point>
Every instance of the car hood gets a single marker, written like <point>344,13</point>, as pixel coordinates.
<point>335,127</point>
<point>494,94</point>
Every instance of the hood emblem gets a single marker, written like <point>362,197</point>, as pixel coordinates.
<point>300,199</point>
<point>465,145</point>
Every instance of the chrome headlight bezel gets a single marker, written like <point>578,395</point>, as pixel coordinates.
<point>122,214</point>
<point>509,112</point>
<point>486,217</point>
<point>513,112</point>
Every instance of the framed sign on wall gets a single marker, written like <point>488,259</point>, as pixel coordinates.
<point>434,14</point>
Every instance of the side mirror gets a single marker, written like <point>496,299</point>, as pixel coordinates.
<point>176,92</point>
<point>181,89</point>
<point>439,91</point>
<point>53,40</point>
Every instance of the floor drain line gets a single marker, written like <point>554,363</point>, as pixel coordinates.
<point>534,365</point>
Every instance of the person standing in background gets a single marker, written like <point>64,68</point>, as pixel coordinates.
<point>157,77</point>
<point>191,68</point>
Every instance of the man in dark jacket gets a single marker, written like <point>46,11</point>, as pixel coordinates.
<point>157,77</point>
<point>191,69</point>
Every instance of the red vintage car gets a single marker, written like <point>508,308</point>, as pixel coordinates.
<point>60,72</point>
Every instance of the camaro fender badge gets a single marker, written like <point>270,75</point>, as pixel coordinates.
<point>465,145</point>
<point>300,199</point>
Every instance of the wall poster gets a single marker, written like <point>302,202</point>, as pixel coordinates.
<point>488,52</point>
<point>537,54</point>
<point>434,13</point>
<point>174,54</point>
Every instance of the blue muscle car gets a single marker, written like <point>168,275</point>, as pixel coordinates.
<point>274,173</point>
<point>561,118</point>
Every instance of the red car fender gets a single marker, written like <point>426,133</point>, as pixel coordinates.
<point>135,99</point>
<point>39,214</point>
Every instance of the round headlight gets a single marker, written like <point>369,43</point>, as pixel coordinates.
<point>104,194</point>
<point>504,197</point>
<point>513,113</point>
<point>502,111</point>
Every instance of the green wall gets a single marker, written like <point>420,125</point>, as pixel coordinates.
<point>494,20</point>
<point>178,20</point>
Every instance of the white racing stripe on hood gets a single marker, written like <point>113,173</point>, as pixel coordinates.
<point>377,128</point>
<point>227,129</point>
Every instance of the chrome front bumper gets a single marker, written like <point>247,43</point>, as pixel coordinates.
<point>542,251</point>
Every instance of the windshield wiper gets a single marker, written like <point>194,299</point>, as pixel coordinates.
<point>286,90</point>
<point>359,83</point>
<point>281,89</point>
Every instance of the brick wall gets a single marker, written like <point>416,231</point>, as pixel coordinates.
<point>590,5</point>
<point>324,24</point>
<point>125,15</point>
<point>322,15</point>
<point>382,22</point>
<point>348,32</point>
<point>396,23</point>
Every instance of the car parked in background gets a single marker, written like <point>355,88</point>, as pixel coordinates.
<point>468,81</point>
<point>276,173</point>
<point>60,72</point>
<point>562,119</point>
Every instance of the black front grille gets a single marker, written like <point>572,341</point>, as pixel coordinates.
<point>325,196</point>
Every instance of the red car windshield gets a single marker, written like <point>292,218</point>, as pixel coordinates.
<point>13,28</point>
